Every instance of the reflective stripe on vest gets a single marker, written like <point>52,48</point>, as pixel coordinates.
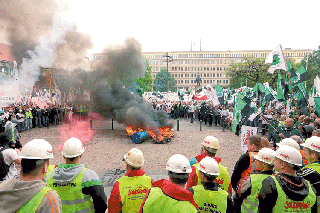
<point>210,201</point>
<point>315,166</point>
<point>223,179</point>
<point>34,203</point>
<point>132,191</point>
<point>72,198</point>
<point>285,204</point>
<point>158,202</point>
<point>251,203</point>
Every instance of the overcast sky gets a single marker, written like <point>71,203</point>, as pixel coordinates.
<point>221,25</point>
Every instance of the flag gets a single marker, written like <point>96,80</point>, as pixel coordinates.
<point>317,103</point>
<point>268,96</point>
<point>219,90</point>
<point>276,59</point>
<point>241,112</point>
<point>280,94</point>
<point>302,74</point>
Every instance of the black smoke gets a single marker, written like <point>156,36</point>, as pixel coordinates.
<point>114,82</point>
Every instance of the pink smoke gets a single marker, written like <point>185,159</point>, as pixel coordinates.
<point>78,128</point>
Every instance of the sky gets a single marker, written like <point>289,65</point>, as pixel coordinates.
<point>164,26</point>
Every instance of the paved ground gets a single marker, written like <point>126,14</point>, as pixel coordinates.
<point>104,152</point>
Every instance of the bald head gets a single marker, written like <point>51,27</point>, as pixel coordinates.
<point>289,122</point>
<point>297,138</point>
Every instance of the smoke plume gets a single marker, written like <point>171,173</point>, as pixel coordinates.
<point>112,93</point>
<point>41,38</point>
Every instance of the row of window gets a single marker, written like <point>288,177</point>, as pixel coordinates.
<point>223,55</point>
<point>156,69</point>
<point>205,75</point>
<point>158,62</point>
<point>205,81</point>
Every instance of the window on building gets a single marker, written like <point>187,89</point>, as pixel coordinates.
<point>210,81</point>
<point>224,81</point>
<point>227,81</point>
<point>213,75</point>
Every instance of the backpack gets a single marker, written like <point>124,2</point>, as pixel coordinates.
<point>4,168</point>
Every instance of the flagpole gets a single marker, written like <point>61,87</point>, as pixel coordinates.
<point>294,100</point>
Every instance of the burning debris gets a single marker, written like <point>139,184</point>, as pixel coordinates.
<point>164,135</point>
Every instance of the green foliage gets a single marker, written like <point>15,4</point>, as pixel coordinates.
<point>145,84</point>
<point>161,81</point>
<point>313,66</point>
<point>254,70</point>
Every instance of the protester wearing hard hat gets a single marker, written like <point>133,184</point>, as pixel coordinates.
<point>311,172</point>
<point>129,191</point>
<point>293,143</point>
<point>80,188</point>
<point>208,195</point>
<point>285,191</point>
<point>28,193</point>
<point>170,195</point>
<point>209,148</point>
<point>249,192</point>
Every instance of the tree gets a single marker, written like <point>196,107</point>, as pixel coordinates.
<point>145,84</point>
<point>313,67</point>
<point>254,70</point>
<point>161,81</point>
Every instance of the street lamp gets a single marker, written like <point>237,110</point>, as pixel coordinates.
<point>169,59</point>
<point>90,63</point>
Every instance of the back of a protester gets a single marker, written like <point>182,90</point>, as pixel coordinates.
<point>9,158</point>
<point>79,188</point>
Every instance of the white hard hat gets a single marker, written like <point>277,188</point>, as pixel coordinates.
<point>72,148</point>
<point>134,158</point>
<point>36,149</point>
<point>312,143</point>
<point>178,164</point>
<point>265,155</point>
<point>209,166</point>
<point>211,142</point>
<point>289,154</point>
<point>289,142</point>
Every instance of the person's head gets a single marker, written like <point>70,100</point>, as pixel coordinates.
<point>35,157</point>
<point>265,143</point>
<point>264,159</point>
<point>210,145</point>
<point>316,133</point>
<point>72,150</point>
<point>297,139</point>
<point>4,139</point>
<point>289,122</point>
<point>134,159</point>
<point>289,142</point>
<point>287,160</point>
<point>208,169</point>
<point>178,168</point>
<point>301,118</point>
<point>254,143</point>
<point>311,149</point>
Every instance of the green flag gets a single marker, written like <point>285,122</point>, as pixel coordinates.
<point>219,90</point>
<point>317,104</point>
<point>241,111</point>
<point>268,97</point>
<point>302,74</point>
<point>280,94</point>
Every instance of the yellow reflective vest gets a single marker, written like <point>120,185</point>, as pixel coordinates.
<point>72,198</point>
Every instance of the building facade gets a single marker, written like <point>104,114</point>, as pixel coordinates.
<point>211,66</point>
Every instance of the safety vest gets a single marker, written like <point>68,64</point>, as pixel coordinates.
<point>29,115</point>
<point>34,203</point>
<point>210,201</point>
<point>223,179</point>
<point>132,191</point>
<point>315,166</point>
<point>158,202</point>
<point>251,168</point>
<point>251,203</point>
<point>72,198</point>
<point>285,204</point>
<point>50,169</point>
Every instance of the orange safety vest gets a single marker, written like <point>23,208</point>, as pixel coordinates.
<point>251,168</point>
<point>303,158</point>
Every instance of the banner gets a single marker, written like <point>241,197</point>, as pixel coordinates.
<point>8,95</point>
<point>247,131</point>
